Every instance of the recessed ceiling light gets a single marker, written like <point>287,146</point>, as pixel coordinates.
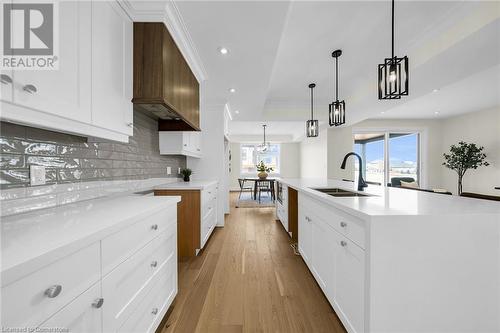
<point>435,90</point>
<point>382,112</point>
<point>436,112</point>
<point>232,90</point>
<point>237,112</point>
<point>223,50</point>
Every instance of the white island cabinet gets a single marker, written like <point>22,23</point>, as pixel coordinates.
<point>399,260</point>
<point>90,92</point>
<point>106,265</point>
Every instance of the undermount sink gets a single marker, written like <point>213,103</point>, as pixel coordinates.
<point>338,192</point>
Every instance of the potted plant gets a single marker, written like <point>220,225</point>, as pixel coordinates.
<point>463,157</point>
<point>186,173</point>
<point>263,170</point>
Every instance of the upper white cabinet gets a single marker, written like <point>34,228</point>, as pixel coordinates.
<point>112,50</point>
<point>90,92</point>
<point>64,92</point>
<point>180,143</point>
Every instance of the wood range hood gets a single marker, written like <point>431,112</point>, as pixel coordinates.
<point>165,88</point>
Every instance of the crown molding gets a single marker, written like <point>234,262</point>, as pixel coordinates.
<point>168,13</point>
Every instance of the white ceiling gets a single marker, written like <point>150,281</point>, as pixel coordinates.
<point>278,47</point>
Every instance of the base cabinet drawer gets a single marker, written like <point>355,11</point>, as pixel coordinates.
<point>83,315</point>
<point>155,303</point>
<point>34,298</point>
<point>121,245</point>
<point>123,287</point>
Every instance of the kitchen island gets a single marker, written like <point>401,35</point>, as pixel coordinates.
<point>400,260</point>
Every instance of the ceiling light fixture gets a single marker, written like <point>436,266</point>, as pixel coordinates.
<point>312,126</point>
<point>393,73</point>
<point>264,146</point>
<point>435,90</point>
<point>232,90</point>
<point>223,50</point>
<point>336,109</point>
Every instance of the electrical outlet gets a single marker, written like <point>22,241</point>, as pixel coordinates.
<point>37,175</point>
<point>169,170</point>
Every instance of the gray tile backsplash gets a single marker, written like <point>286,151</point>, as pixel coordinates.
<point>69,158</point>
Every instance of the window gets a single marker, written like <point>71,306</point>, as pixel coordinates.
<point>388,155</point>
<point>250,157</point>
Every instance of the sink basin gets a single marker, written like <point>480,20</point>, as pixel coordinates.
<point>338,192</point>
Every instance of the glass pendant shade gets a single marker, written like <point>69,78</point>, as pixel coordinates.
<point>312,128</point>
<point>336,111</point>
<point>393,74</point>
<point>312,125</point>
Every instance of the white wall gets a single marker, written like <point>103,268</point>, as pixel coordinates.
<point>289,162</point>
<point>483,129</point>
<point>314,156</point>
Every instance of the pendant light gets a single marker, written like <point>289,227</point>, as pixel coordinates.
<point>264,146</point>
<point>393,73</point>
<point>312,126</point>
<point>336,109</point>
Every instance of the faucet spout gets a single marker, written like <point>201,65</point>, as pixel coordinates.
<point>361,182</point>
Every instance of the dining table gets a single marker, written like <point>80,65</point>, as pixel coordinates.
<point>256,181</point>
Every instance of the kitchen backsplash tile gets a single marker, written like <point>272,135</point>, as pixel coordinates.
<point>70,158</point>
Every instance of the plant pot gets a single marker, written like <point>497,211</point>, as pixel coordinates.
<point>262,175</point>
<point>186,178</point>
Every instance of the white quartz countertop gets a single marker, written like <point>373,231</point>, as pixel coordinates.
<point>392,201</point>
<point>191,185</point>
<point>33,240</point>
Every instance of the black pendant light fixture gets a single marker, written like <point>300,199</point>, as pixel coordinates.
<point>264,146</point>
<point>393,73</point>
<point>312,126</point>
<point>336,109</point>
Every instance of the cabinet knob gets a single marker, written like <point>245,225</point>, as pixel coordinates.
<point>29,88</point>
<point>185,145</point>
<point>130,124</point>
<point>198,149</point>
<point>5,79</point>
<point>154,227</point>
<point>53,291</point>
<point>154,263</point>
<point>154,311</point>
<point>97,303</point>
<point>343,243</point>
<point>343,224</point>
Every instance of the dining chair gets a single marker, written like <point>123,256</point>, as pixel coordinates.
<point>264,186</point>
<point>244,187</point>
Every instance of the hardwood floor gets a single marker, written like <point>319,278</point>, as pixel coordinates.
<point>249,280</point>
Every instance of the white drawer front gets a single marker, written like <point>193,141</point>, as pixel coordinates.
<point>156,298</point>
<point>207,226</point>
<point>79,316</point>
<point>121,288</point>
<point>121,245</point>
<point>209,193</point>
<point>24,302</point>
<point>209,207</point>
<point>350,226</point>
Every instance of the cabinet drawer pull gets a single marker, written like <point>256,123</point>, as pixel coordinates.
<point>53,291</point>
<point>5,79</point>
<point>343,243</point>
<point>98,303</point>
<point>154,227</point>
<point>343,224</point>
<point>154,311</point>
<point>154,264</point>
<point>29,88</point>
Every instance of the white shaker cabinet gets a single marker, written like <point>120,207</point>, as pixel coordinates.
<point>180,143</point>
<point>82,315</point>
<point>65,92</point>
<point>112,50</point>
<point>90,93</point>
<point>305,235</point>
